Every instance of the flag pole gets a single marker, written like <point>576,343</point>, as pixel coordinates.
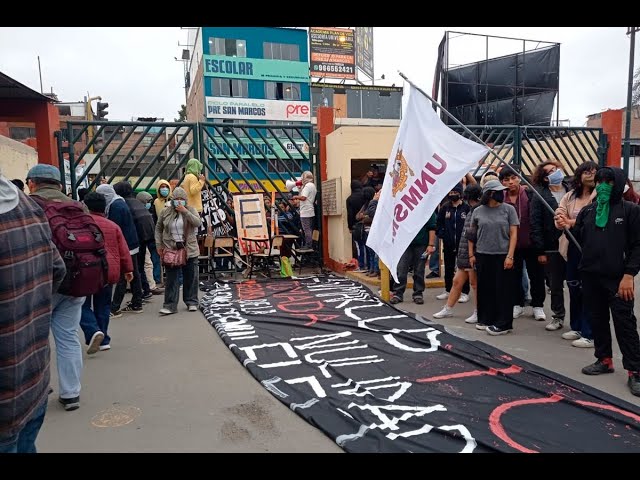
<point>502,161</point>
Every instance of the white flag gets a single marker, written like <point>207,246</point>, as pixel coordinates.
<point>428,159</point>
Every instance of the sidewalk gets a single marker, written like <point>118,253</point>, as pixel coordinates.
<point>169,384</point>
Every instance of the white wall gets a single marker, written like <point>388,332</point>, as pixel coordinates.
<point>16,159</point>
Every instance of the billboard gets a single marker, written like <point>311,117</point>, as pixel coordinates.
<point>364,50</point>
<point>258,109</point>
<point>255,69</point>
<point>332,52</point>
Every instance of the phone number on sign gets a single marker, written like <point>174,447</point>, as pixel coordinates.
<point>333,68</point>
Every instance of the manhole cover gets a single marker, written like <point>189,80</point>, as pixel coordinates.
<point>115,417</point>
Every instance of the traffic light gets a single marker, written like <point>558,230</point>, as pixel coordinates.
<point>101,112</point>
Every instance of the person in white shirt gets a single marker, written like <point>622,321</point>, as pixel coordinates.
<point>307,198</point>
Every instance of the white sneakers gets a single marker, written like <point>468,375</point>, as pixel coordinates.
<point>443,296</point>
<point>555,324</point>
<point>538,314</point>
<point>193,308</point>
<point>571,335</point>
<point>464,298</point>
<point>518,311</point>
<point>473,318</point>
<point>445,312</point>
<point>165,311</point>
<point>583,343</point>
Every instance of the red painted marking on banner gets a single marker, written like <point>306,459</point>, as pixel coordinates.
<point>609,407</point>
<point>250,290</point>
<point>316,317</point>
<point>448,346</point>
<point>472,373</point>
<point>498,430</point>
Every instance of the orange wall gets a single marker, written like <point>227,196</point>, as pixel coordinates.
<point>612,127</point>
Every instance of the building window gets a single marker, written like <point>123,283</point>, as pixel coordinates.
<point>281,91</point>
<point>22,133</point>
<point>229,87</point>
<point>280,133</point>
<point>229,47</point>
<point>283,166</point>
<point>281,51</point>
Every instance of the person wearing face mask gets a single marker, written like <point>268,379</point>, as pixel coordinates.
<point>492,237</point>
<point>571,205</point>
<point>548,179</point>
<point>154,275</point>
<point>451,218</point>
<point>176,229</point>
<point>609,232</point>
<point>163,194</point>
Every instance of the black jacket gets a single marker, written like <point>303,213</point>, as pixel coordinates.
<point>450,224</point>
<point>544,234</point>
<point>614,250</point>
<point>355,201</point>
<point>142,219</point>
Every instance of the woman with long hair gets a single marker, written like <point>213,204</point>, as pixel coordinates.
<point>575,200</point>
<point>177,230</point>
<point>549,181</point>
<point>492,238</point>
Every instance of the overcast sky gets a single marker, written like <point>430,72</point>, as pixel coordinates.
<point>134,68</point>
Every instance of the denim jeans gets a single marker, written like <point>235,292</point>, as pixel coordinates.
<point>361,249</point>
<point>189,288</point>
<point>580,317</point>
<point>155,259</point>
<point>307,226</point>
<point>25,440</point>
<point>65,321</point>
<point>136,287</point>
<point>97,319</point>
<point>434,260</point>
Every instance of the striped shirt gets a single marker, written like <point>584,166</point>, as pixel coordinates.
<point>30,271</point>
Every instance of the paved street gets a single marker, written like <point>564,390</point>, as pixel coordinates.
<point>170,385</point>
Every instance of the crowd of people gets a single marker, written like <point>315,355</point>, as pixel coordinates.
<point>513,244</point>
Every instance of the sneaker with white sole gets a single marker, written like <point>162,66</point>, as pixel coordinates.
<point>571,335</point>
<point>445,312</point>
<point>518,311</point>
<point>538,314</point>
<point>116,314</point>
<point>481,326</point>
<point>493,330</point>
<point>464,298</point>
<point>94,343</point>
<point>166,311</point>
<point>554,324</point>
<point>473,318</point>
<point>443,296</point>
<point>104,348</point>
<point>131,309</point>
<point>583,343</point>
<point>193,308</point>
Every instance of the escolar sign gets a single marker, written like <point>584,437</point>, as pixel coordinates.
<point>255,69</point>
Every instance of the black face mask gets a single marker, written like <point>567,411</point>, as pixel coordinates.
<point>454,198</point>
<point>498,196</point>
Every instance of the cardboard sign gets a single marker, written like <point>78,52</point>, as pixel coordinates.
<point>251,222</point>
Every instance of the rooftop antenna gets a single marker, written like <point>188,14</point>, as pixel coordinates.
<point>40,72</point>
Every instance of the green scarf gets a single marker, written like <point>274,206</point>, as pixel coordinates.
<point>194,166</point>
<point>602,210</point>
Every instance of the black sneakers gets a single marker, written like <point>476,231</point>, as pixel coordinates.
<point>599,367</point>
<point>418,300</point>
<point>634,383</point>
<point>131,309</point>
<point>70,404</point>
<point>493,330</point>
<point>394,300</point>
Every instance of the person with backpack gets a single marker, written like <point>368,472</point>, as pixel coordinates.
<point>609,232</point>
<point>81,245</point>
<point>118,212</point>
<point>95,323</point>
<point>30,273</point>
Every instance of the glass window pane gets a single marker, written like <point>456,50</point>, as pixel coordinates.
<point>295,53</point>
<point>241,48</point>
<point>266,50</point>
<point>230,47</point>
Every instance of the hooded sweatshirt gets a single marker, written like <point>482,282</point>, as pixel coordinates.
<point>144,198</point>
<point>168,217</point>
<point>193,185</point>
<point>142,219</point>
<point>160,202</point>
<point>118,212</point>
<point>614,250</point>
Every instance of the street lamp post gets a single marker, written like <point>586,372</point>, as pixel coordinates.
<point>631,31</point>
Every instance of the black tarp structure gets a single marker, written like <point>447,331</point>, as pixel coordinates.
<point>516,89</point>
<point>375,379</point>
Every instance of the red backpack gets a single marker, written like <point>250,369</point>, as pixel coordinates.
<point>81,245</point>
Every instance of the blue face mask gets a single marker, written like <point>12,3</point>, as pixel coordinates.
<point>147,206</point>
<point>164,191</point>
<point>177,203</point>
<point>556,177</point>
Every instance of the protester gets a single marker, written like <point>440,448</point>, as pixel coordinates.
<point>176,230</point>
<point>630,194</point>
<point>31,270</point>
<point>193,184</point>
<point>163,196</point>
<point>413,258</point>
<point>95,321</point>
<point>570,206</point>
<point>153,265</point>
<point>609,232</point>
<point>18,183</point>
<point>548,178</point>
<point>492,237</point>
<point>354,202</point>
<point>465,274</point>
<point>307,198</point>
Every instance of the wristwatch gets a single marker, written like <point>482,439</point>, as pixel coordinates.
<point>510,258</point>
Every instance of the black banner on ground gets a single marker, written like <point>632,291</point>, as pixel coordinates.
<point>376,380</point>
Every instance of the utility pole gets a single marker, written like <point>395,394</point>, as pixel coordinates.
<point>627,129</point>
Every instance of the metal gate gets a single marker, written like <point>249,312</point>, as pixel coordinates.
<point>238,158</point>
<point>528,146</point>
